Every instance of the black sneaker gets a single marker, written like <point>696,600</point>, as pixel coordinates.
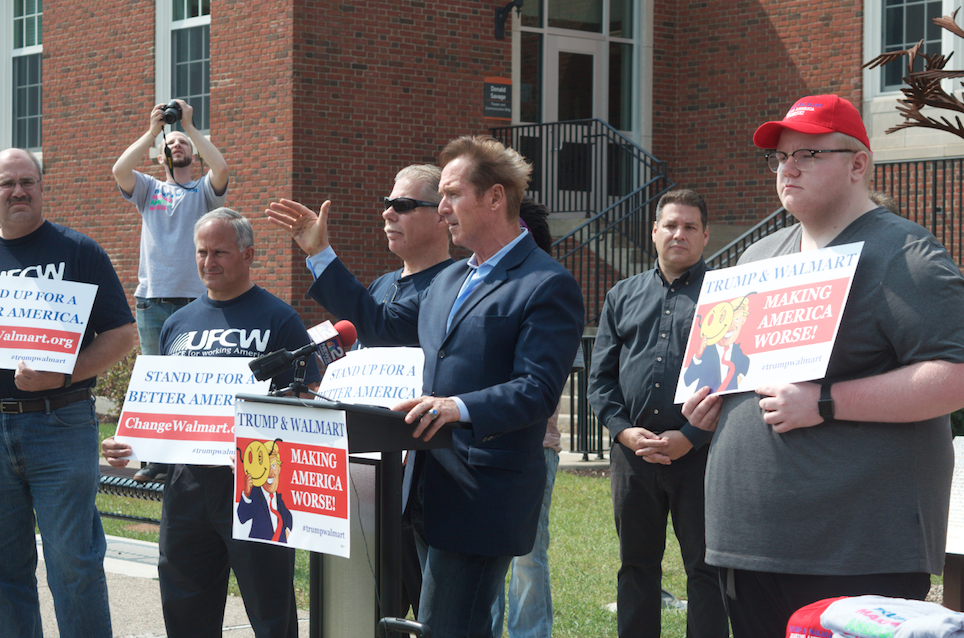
<point>152,472</point>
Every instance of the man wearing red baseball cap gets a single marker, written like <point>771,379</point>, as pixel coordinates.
<point>839,487</point>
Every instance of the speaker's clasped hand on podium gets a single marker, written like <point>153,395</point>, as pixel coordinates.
<point>429,413</point>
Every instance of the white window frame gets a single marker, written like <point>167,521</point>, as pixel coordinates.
<point>163,26</point>
<point>879,108</point>
<point>6,73</point>
<point>640,119</point>
<point>874,45</point>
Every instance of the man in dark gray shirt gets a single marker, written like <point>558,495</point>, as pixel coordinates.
<point>658,459</point>
<point>840,487</point>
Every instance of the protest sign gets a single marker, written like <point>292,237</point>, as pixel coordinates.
<point>955,518</point>
<point>181,409</point>
<point>42,322</point>
<point>292,477</point>
<point>769,321</point>
<point>375,376</point>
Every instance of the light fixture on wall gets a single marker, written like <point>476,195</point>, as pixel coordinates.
<point>501,15</point>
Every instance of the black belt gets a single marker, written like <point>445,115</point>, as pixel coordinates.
<point>45,404</point>
<point>175,301</point>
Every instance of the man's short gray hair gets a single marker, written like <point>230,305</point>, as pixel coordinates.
<point>36,162</point>
<point>243,233</point>
<point>427,175</point>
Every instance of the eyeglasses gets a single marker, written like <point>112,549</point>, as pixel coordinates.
<point>406,204</point>
<point>803,161</point>
<point>391,294</point>
<point>27,183</point>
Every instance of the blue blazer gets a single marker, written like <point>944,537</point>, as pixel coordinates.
<point>707,371</point>
<point>507,356</point>
<point>257,512</point>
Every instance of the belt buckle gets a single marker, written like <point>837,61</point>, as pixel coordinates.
<point>11,407</point>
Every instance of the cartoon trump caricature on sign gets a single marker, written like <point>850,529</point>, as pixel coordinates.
<point>719,361</point>
<point>260,501</point>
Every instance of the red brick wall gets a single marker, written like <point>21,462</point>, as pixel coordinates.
<point>722,68</point>
<point>310,99</point>
<point>98,90</point>
<point>320,100</point>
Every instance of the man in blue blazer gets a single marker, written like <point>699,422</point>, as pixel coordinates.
<point>498,331</point>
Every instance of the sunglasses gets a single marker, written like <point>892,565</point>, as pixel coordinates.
<point>406,204</point>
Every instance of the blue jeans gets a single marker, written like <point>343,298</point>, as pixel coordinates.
<point>530,598</point>
<point>458,591</point>
<point>151,315</point>
<point>48,465</point>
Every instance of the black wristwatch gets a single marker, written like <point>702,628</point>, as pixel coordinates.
<point>825,404</point>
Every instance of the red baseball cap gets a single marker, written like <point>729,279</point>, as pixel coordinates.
<point>815,115</point>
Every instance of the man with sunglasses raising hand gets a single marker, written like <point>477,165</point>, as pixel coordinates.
<point>420,237</point>
<point>415,232</point>
<point>840,487</point>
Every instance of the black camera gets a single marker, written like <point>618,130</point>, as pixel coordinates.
<point>172,112</point>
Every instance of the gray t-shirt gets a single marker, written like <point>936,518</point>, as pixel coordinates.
<point>167,266</point>
<point>847,497</point>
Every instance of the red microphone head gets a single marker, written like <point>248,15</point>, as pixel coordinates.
<point>347,333</point>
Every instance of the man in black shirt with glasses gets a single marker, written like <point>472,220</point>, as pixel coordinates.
<point>420,237</point>
<point>415,232</point>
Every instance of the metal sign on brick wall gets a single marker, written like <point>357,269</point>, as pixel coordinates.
<point>498,99</point>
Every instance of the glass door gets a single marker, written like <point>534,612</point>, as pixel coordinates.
<point>575,92</point>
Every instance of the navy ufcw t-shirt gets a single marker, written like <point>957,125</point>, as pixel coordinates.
<point>60,253</point>
<point>250,325</point>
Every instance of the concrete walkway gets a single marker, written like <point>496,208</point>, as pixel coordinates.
<point>135,599</point>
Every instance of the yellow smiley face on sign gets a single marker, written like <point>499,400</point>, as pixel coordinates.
<point>717,322</point>
<point>256,463</point>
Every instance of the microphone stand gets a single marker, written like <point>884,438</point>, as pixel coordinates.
<point>297,386</point>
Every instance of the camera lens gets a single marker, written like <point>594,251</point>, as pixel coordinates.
<point>172,112</point>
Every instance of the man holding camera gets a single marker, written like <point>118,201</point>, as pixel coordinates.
<point>166,279</point>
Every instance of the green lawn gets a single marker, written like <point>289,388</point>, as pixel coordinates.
<point>583,555</point>
<point>584,560</point>
<point>146,532</point>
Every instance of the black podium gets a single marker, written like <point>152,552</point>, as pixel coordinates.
<point>349,596</point>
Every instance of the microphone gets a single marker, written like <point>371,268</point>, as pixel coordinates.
<point>333,341</point>
<point>329,342</point>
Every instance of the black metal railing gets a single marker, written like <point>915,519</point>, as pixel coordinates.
<point>728,255</point>
<point>581,167</point>
<point>929,192</point>
<point>588,436</point>
<point>587,170</point>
